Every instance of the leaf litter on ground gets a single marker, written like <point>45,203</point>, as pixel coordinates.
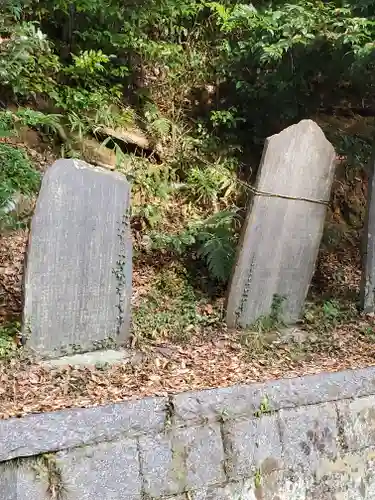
<point>213,357</point>
<point>189,348</point>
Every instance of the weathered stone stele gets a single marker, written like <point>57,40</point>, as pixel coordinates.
<point>77,284</point>
<point>284,225</point>
<point>367,296</point>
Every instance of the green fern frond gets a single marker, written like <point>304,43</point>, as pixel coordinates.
<point>159,128</point>
<point>219,256</point>
<point>211,183</point>
<point>217,243</point>
<point>214,240</point>
<point>38,120</point>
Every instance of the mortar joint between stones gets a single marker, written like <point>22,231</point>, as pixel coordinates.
<point>170,413</point>
<point>340,430</point>
<point>227,448</point>
<point>47,463</point>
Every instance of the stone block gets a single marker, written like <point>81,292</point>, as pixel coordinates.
<point>357,419</point>
<point>343,478</point>
<point>242,490</point>
<point>79,261</point>
<point>23,480</point>
<point>367,290</point>
<point>213,404</point>
<point>163,465</point>
<point>320,388</point>
<point>204,455</point>
<point>252,444</point>
<point>46,432</point>
<point>105,471</point>
<point>308,434</point>
<point>243,400</point>
<point>282,485</point>
<point>182,459</point>
<point>279,485</point>
<point>368,482</point>
<point>284,226</point>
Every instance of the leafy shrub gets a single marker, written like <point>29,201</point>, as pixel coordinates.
<point>8,333</point>
<point>151,186</point>
<point>28,65</point>
<point>210,184</point>
<point>24,117</point>
<point>168,310</point>
<point>35,119</point>
<point>172,309</point>
<point>6,124</point>
<point>267,65</point>
<point>216,244</point>
<point>213,239</point>
<point>16,174</point>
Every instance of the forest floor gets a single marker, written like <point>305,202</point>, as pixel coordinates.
<point>184,343</point>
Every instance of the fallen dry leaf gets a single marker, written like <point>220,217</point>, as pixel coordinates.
<point>216,359</point>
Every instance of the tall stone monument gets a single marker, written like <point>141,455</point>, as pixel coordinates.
<point>77,285</point>
<point>367,296</point>
<point>282,232</point>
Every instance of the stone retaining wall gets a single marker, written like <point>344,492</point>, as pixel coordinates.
<point>297,439</point>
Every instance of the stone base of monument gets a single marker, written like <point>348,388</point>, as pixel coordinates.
<point>97,358</point>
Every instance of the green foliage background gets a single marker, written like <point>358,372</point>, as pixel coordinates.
<point>273,62</point>
<point>208,80</point>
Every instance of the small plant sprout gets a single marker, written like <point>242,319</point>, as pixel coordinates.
<point>264,408</point>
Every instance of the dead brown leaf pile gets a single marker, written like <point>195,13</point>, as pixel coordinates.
<point>27,387</point>
<point>12,254</point>
<point>217,359</point>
